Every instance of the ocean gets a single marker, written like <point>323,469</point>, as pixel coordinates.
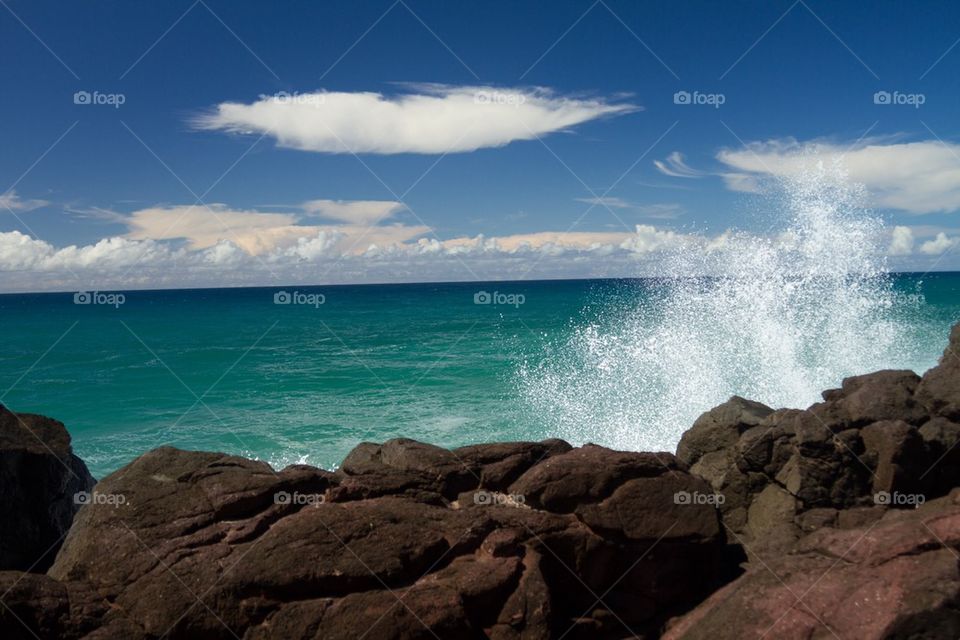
<point>303,374</point>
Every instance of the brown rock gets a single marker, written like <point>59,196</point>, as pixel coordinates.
<point>720,428</point>
<point>898,579</point>
<point>939,390</point>
<point>42,485</point>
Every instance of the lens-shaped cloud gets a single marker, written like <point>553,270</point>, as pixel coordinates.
<point>430,119</point>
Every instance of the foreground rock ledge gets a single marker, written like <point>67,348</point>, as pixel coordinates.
<point>786,524</point>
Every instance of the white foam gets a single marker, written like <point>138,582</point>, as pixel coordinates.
<point>785,316</point>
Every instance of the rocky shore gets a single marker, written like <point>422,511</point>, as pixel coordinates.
<point>837,521</point>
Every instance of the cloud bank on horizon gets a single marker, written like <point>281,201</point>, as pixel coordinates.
<point>364,240</point>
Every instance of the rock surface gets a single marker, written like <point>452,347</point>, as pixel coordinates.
<point>897,578</point>
<point>39,479</point>
<point>406,540</point>
<point>840,520</point>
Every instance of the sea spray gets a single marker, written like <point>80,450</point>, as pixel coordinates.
<point>775,317</point>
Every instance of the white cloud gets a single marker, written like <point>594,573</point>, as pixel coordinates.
<point>204,227</point>
<point>676,167</point>
<point>938,245</point>
<point>659,210</point>
<point>901,241</point>
<point>355,211</point>
<point>917,177</point>
<point>12,202</point>
<point>431,119</point>
<point>178,246</point>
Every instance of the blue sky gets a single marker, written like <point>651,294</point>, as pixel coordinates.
<point>595,82</point>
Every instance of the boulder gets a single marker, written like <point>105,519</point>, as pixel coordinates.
<point>939,390</point>
<point>544,539</point>
<point>898,578</point>
<point>42,485</point>
<point>720,428</point>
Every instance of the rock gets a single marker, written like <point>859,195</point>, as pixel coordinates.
<point>41,487</point>
<point>770,518</point>
<point>588,474</point>
<point>304,553</point>
<point>896,579</point>
<point>896,453</point>
<point>883,395</point>
<point>942,439</point>
<point>939,390</point>
<point>720,428</point>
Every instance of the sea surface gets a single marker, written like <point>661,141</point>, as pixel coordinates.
<point>301,375</point>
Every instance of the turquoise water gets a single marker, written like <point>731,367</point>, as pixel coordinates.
<point>230,370</point>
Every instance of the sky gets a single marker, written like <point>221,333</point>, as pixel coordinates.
<point>222,143</point>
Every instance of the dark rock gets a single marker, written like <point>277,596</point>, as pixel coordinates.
<point>42,485</point>
<point>939,390</point>
<point>214,545</point>
<point>720,428</point>
<point>884,395</point>
<point>896,453</point>
<point>585,475</point>
<point>942,439</point>
<point>896,579</point>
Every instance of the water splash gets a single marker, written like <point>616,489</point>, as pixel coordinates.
<point>775,317</point>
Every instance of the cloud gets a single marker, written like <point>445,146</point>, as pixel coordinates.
<point>355,211</point>
<point>431,119</point>
<point>916,177</point>
<point>676,167</point>
<point>204,227</point>
<point>901,242</point>
<point>938,245</point>
<point>258,233</point>
<point>12,202</point>
<point>660,210</point>
<point>184,246</point>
